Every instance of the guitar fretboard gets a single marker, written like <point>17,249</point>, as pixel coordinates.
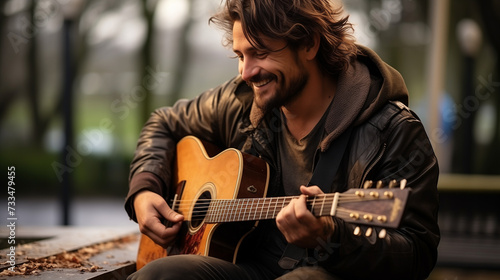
<point>253,209</point>
<point>371,207</point>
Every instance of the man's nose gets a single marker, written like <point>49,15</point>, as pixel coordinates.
<point>248,69</point>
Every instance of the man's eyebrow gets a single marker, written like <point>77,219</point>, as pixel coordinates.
<point>248,49</point>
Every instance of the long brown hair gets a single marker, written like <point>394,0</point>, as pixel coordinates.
<point>296,22</point>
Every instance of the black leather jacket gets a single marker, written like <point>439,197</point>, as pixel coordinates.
<point>388,143</point>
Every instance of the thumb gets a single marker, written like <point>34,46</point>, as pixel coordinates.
<point>169,214</point>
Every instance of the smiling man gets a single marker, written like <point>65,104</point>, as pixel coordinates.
<point>303,85</point>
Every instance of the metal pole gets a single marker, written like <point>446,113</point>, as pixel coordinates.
<point>68,121</point>
<point>436,71</point>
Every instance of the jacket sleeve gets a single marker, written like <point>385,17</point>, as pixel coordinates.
<point>151,167</point>
<point>409,252</point>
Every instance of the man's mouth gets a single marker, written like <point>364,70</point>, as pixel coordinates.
<point>262,83</point>
<point>261,80</point>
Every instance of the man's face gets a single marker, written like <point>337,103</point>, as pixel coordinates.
<point>276,77</point>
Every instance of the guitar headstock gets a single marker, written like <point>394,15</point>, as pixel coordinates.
<point>375,207</point>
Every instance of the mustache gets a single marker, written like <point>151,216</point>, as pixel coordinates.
<point>260,77</point>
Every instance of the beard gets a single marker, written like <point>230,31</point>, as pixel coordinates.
<point>286,91</point>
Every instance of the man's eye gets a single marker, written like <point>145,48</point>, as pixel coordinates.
<point>239,57</point>
<point>261,54</point>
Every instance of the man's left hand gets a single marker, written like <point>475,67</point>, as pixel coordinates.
<point>300,226</point>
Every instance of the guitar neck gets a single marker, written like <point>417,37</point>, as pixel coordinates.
<point>375,207</point>
<point>254,209</point>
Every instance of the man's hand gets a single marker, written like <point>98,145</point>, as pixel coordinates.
<point>150,209</point>
<point>300,226</point>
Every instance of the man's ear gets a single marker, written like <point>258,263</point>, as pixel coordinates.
<point>313,47</point>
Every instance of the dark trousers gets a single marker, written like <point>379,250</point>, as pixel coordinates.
<point>192,267</point>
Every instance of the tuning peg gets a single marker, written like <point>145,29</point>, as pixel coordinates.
<point>388,194</point>
<point>355,216</point>
<point>382,233</point>
<point>359,193</point>
<point>380,184</point>
<point>402,184</point>
<point>382,218</point>
<point>374,194</point>
<point>368,184</point>
<point>392,184</point>
<point>368,232</point>
<point>368,217</point>
<point>357,231</point>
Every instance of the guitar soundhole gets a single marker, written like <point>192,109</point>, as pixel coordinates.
<point>200,210</point>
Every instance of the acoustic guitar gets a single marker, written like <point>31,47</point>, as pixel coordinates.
<point>222,197</point>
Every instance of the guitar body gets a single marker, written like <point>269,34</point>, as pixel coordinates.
<point>203,174</point>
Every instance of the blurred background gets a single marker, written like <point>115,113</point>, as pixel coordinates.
<point>79,79</point>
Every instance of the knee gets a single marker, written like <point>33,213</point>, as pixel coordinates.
<point>309,273</point>
<point>160,269</point>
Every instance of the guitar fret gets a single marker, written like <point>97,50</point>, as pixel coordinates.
<point>232,209</point>
<point>261,210</point>
<point>207,214</point>
<point>213,204</point>
<point>255,210</point>
<point>235,209</point>
<point>217,214</point>
<point>241,209</point>
<point>216,210</point>
<point>274,211</point>
<point>313,206</point>
<point>213,210</point>
<point>283,204</point>
<point>271,204</point>
<point>266,211</point>
<point>322,206</point>
<point>249,212</point>
<point>244,206</point>
<point>225,211</point>
<point>221,210</point>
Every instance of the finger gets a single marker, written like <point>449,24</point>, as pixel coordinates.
<point>302,214</point>
<point>287,215</point>
<point>312,190</point>
<point>160,234</point>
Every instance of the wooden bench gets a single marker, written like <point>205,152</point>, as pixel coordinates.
<point>113,251</point>
<point>469,219</point>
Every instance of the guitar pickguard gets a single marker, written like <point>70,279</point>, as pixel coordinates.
<point>188,243</point>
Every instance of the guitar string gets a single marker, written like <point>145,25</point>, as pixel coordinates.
<point>184,205</point>
<point>233,207</point>
<point>246,216</point>
<point>263,202</point>
<point>352,198</point>
<point>264,210</point>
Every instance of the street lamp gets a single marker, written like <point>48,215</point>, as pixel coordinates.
<point>469,38</point>
<point>71,10</point>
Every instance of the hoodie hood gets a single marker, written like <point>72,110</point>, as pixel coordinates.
<point>362,90</point>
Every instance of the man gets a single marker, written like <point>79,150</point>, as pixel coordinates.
<point>303,83</point>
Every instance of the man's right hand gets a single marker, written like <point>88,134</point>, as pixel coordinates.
<point>150,209</point>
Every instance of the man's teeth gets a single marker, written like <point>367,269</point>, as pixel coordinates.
<point>263,83</point>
